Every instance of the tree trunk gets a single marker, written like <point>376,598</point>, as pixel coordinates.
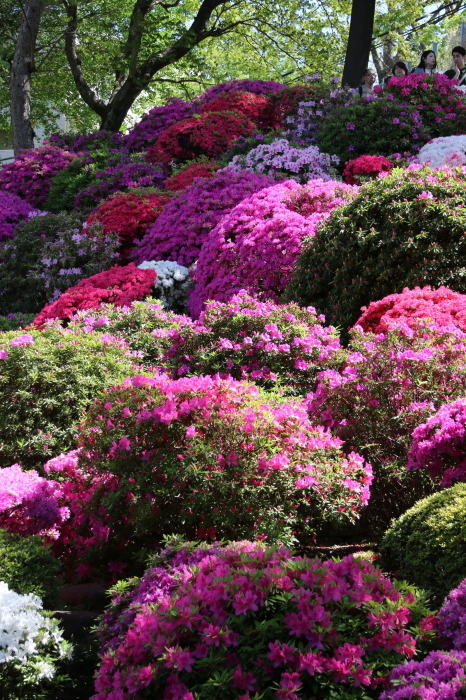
<point>359,41</point>
<point>21,71</point>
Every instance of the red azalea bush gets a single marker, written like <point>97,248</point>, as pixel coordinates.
<point>129,214</point>
<point>207,135</point>
<point>286,102</point>
<point>256,245</point>
<point>186,222</point>
<point>364,168</point>
<point>31,173</point>
<point>254,107</point>
<point>263,342</point>
<point>119,285</point>
<point>156,121</point>
<point>258,87</point>
<point>12,211</point>
<point>211,457</point>
<point>247,621</point>
<point>186,176</point>
<point>443,306</point>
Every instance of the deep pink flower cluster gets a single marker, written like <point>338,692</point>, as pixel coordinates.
<point>186,222</point>
<point>442,306</point>
<point>119,285</point>
<point>181,179</point>
<point>29,503</point>
<point>439,444</point>
<point>156,121</point>
<point>30,175</point>
<point>254,107</point>
<point>451,618</point>
<point>365,167</point>
<point>262,342</point>
<point>12,211</point>
<point>256,245</point>
<point>268,622</point>
<point>440,676</point>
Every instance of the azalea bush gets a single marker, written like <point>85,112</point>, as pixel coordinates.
<point>285,102</point>
<point>255,247</point>
<point>262,622</point>
<point>119,285</point>
<point>440,676</point>
<point>89,142</point>
<point>128,215</point>
<point>208,457</point>
<point>258,87</point>
<point>442,306</point>
<point>263,342</point>
<point>171,284</point>
<point>451,619</point>
<point>185,176</point>
<point>157,120</point>
<point>207,135</point>
<point>445,150</point>
<point>425,545</point>
<point>254,107</point>
<point>187,220</point>
<point>365,168</point>
<point>47,380</point>
<point>12,211</point>
<point>404,230</point>
<point>30,175</point>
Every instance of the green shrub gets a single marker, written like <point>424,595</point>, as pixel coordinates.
<point>14,321</point>
<point>47,380</point>
<point>67,183</point>
<point>27,566</point>
<point>426,544</point>
<point>405,230</point>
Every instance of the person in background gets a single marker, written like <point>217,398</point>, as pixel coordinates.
<point>367,83</point>
<point>427,63</point>
<point>400,69</point>
<point>459,71</point>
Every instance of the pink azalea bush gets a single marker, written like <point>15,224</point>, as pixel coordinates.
<point>451,619</point>
<point>31,173</point>
<point>439,444</point>
<point>12,211</point>
<point>256,245</point>
<point>442,306</point>
<point>440,676</point>
<point>247,621</point>
<point>208,457</point>
<point>269,344</point>
<point>185,222</point>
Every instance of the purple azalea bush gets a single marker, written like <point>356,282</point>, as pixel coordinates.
<point>451,618</point>
<point>187,220</point>
<point>258,87</point>
<point>147,131</point>
<point>13,209</point>
<point>85,143</point>
<point>440,676</point>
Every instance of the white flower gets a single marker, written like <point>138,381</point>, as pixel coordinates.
<point>446,150</point>
<point>171,283</point>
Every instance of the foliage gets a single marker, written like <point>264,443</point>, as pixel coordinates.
<point>236,464</point>
<point>440,676</point>
<point>404,230</point>
<point>119,285</point>
<point>12,211</point>
<point>47,380</point>
<point>129,215</point>
<point>201,135</point>
<point>282,158</point>
<point>365,168</point>
<point>11,322</point>
<point>78,175</point>
<point>171,283</point>
<point>255,247</point>
<point>157,120</point>
<point>30,175</point>
<point>451,619</point>
<point>432,531</point>
<point>245,618</point>
<point>263,342</point>
<point>181,179</point>
<point>187,220</point>
<point>27,566</point>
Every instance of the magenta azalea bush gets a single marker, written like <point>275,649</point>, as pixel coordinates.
<point>207,457</point>
<point>246,621</point>
<point>439,444</point>
<point>258,87</point>
<point>269,344</point>
<point>145,132</point>
<point>31,173</point>
<point>451,618</point>
<point>12,211</point>
<point>256,245</point>
<point>186,221</point>
<point>440,676</point>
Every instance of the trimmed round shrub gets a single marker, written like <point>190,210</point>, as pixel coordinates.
<point>441,306</point>
<point>425,545</point>
<point>207,457</point>
<point>31,173</point>
<point>144,325</point>
<point>247,619</point>
<point>128,215</point>
<point>254,107</point>
<point>271,345</point>
<point>446,150</point>
<point>185,177</point>
<point>187,220</point>
<point>365,168</point>
<point>255,247</point>
<point>156,121</point>
<point>201,135</point>
<point>27,566</point>
<point>440,676</point>
<point>451,618</point>
<point>119,285</point>
<point>47,381</point>
<point>12,211</point>
<point>405,230</point>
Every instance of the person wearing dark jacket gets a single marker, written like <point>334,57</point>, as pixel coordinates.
<point>459,71</point>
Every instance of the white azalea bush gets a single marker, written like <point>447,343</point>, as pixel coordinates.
<point>445,150</point>
<point>31,643</point>
<point>171,284</point>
